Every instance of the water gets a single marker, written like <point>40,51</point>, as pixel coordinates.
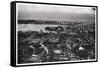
<point>34,27</point>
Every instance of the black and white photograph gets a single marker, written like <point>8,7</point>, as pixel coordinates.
<point>52,33</point>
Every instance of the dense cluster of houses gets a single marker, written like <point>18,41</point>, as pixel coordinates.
<point>62,43</point>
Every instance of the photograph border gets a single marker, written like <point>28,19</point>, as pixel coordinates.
<point>13,33</point>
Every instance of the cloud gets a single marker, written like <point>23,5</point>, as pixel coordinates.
<point>54,12</point>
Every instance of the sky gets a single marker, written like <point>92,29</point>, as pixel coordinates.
<point>55,12</point>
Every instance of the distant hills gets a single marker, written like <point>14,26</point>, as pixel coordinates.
<point>50,22</point>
